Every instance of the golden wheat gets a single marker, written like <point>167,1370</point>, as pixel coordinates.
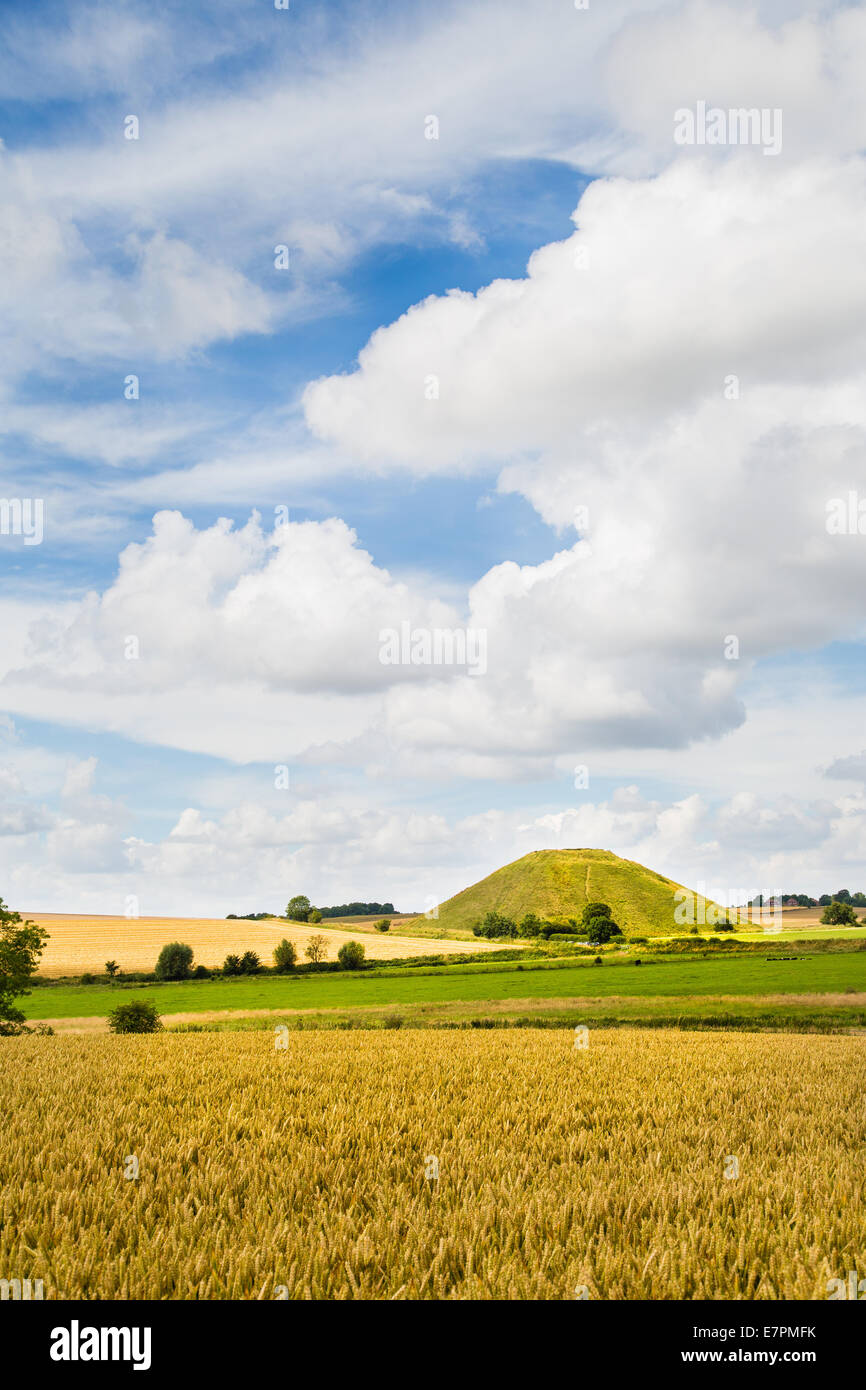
<point>301,1173</point>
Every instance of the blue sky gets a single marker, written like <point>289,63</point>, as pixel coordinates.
<point>579,289</point>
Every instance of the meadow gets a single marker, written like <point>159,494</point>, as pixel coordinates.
<point>685,978</point>
<point>448,1165</point>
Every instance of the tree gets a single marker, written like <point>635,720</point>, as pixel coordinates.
<point>351,955</point>
<point>384,925</point>
<point>285,956</point>
<point>21,944</point>
<point>824,900</point>
<point>137,1017</point>
<point>530,925</point>
<point>232,965</point>
<point>111,968</point>
<point>317,949</point>
<point>495,924</point>
<point>315,915</point>
<point>298,909</point>
<point>175,962</point>
<point>598,925</point>
<point>839,914</point>
<point>250,963</point>
<point>843,896</point>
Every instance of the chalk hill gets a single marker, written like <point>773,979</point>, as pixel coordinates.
<point>556,883</point>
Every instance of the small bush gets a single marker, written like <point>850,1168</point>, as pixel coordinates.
<point>598,961</point>
<point>285,956</point>
<point>392,1021</point>
<point>88,979</point>
<point>384,925</point>
<point>201,972</point>
<point>137,1017</point>
<point>316,949</point>
<point>249,963</point>
<point>175,962</point>
<point>232,965</point>
<point>351,955</point>
<point>595,910</point>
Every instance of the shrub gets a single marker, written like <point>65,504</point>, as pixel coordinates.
<point>384,925</point>
<point>175,962</point>
<point>598,961</point>
<point>392,1021</point>
<point>250,963</point>
<point>495,924</point>
<point>201,972</point>
<point>111,968</point>
<point>315,915</point>
<point>530,925</point>
<point>839,914</point>
<point>601,929</point>
<point>88,979</point>
<point>351,955</point>
<point>285,956</point>
<point>232,965</point>
<point>137,1017</point>
<point>595,910</point>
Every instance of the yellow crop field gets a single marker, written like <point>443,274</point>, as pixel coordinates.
<point>79,943</point>
<point>448,1165</point>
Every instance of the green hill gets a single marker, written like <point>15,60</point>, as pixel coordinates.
<point>557,883</point>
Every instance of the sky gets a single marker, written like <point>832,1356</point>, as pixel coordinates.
<point>329,330</point>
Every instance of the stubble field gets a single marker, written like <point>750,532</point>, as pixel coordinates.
<point>78,944</point>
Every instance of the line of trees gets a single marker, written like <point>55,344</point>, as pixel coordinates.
<point>300,909</point>
<point>596,925</point>
<point>804,900</point>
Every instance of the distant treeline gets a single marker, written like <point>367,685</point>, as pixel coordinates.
<point>346,910</point>
<point>803,899</point>
<point>357,910</point>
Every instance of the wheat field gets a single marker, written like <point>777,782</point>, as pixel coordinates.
<point>307,1173</point>
<point>80,943</point>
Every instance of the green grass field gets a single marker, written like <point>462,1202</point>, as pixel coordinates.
<point>671,978</point>
<point>802,934</point>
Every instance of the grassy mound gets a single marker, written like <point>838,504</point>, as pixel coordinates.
<point>557,883</point>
